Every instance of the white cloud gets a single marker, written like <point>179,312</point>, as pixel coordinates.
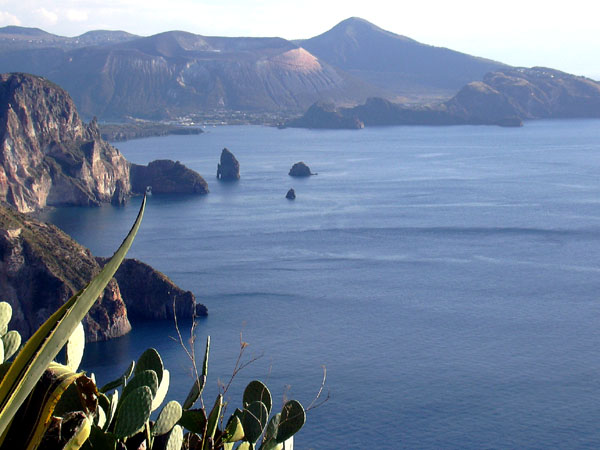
<point>77,15</point>
<point>46,17</point>
<point>8,19</point>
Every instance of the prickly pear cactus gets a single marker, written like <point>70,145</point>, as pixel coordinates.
<point>133,412</point>
<point>10,341</point>
<point>254,421</point>
<point>257,391</point>
<point>150,360</point>
<point>143,378</point>
<point>292,419</point>
<point>167,419</point>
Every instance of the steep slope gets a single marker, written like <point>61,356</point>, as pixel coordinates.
<point>41,268</point>
<point>177,73</point>
<point>408,68</point>
<point>505,97</point>
<point>48,156</point>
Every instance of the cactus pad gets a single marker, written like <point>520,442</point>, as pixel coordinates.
<point>167,419</point>
<point>175,440</point>
<point>144,378</point>
<point>150,360</point>
<point>254,420</point>
<point>257,391</point>
<point>5,316</point>
<point>292,419</point>
<point>12,342</point>
<point>134,410</point>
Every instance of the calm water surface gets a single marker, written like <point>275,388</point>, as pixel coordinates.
<point>448,278</point>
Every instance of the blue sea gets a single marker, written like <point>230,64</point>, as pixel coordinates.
<point>447,278</point>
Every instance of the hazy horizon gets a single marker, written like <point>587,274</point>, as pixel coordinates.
<point>519,34</point>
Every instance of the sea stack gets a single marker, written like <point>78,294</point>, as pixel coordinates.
<point>300,170</point>
<point>291,194</point>
<point>229,167</point>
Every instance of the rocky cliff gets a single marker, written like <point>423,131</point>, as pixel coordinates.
<point>41,268</point>
<point>167,177</point>
<point>149,294</point>
<point>505,97</point>
<point>48,156</point>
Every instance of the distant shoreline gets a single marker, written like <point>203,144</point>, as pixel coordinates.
<point>119,132</point>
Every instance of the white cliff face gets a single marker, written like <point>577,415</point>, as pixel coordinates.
<point>48,156</point>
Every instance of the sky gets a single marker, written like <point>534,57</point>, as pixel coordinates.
<point>564,35</point>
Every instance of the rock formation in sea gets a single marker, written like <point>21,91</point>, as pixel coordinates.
<point>48,156</point>
<point>291,194</point>
<point>150,294</point>
<point>229,167</point>
<point>167,177</point>
<point>300,169</point>
<point>41,267</point>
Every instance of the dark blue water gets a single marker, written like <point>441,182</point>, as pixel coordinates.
<point>448,278</point>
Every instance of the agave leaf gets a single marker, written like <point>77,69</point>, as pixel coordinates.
<point>44,345</point>
<point>35,416</point>
<point>75,347</point>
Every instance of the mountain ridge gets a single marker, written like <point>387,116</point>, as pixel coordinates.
<point>382,57</point>
<point>177,73</point>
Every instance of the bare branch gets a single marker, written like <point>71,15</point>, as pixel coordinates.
<point>316,403</point>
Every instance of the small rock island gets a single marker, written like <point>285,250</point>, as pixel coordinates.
<point>291,194</point>
<point>229,167</point>
<point>300,170</point>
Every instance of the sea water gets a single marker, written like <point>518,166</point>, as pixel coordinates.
<point>447,278</point>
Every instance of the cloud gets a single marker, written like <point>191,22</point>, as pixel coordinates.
<point>8,19</point>
<point>47,17</point>
<point>77,15</point>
